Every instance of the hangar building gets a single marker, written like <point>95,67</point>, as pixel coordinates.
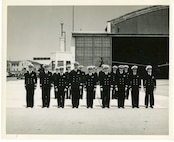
<point>140,37</point>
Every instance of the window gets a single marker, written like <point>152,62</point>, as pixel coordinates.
<point>59,63</point>
<point>79,41</point>
<point>97,51</point>
<point>106,42</point>
<point>80,51</point>
<point>97,42</point>
<point>88,42</point>
<point>88,52</point>
<point>68,62</point>
<point>87,61</point>
<point>106,52</point>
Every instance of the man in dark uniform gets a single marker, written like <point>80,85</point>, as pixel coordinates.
<point>46,84</point>
<point>135,85</point>
<point>121,86</point>
<point>67,73</point>
<point>126,72</point>
<point>96,78</point>
<point>30,85</point>
<point>149,83</point>
<point>90,85</point>
<point>60,85</point>
<point>55,75</point>
<point>114,76</point>
<point>99,79</point>
<point>75,78</point>
<point>82,81</point>
<point>105,85</point>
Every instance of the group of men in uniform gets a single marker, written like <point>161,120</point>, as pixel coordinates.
<point>71,84</point>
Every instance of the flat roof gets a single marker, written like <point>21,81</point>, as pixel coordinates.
<point>74,34</point>
<point>77,34</point>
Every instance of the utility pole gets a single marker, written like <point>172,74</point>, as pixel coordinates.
<point>73,19</point>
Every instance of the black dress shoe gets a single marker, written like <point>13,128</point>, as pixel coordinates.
<point>146,106</point>
<point>151,106</point>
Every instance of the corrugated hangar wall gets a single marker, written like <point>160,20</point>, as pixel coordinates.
<point>143,39</point>
<point>156,22</point>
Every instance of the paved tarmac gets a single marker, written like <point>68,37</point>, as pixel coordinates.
<point>96,121</point>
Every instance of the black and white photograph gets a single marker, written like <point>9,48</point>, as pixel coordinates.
<point>100,70</point>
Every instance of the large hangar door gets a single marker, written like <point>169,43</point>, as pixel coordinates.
<point>142,50</point>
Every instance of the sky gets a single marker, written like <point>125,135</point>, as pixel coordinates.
<point>34,31</point>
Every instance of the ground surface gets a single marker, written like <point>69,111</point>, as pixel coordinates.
<point>97,121</point>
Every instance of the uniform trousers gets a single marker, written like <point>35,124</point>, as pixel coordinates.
<point>81,93</point>
<point>135,96</point>
<point>106,97</point>
<point>114,93</point>
<point>94,92</point>
<point>30,95</point>
<point>75,96</point>
<point>149,95</point>
<point>55,93</point>
<point>61,97</point>
<point>68,93</point>
<point>89,99</point>
<point>121,96</point>
<point>46,96</point>
<point>127,93</point>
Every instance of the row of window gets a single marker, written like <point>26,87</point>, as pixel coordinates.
<point>41,58</point>
<point>61,63</point>
<point>92,61</point>
<point>89,52</point>
<point>93,42</point>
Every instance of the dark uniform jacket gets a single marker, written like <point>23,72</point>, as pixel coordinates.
<point>114,77</point>
<point>30,78</point>
<point>55,75</point>
<point>46,79</point>
<point>105,80</point>
<point>149,81</point>
<point>82,77</point>
<point>127,75</point>
<point>61,81</point>
<point>68,81</point>
<point>121,80</point>
<point>135,81</point>
<point>96,76</point>
<point>75,78</point>
<point>90,81</point>
<point>100,76</point>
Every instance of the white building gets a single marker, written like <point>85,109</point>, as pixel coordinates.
<point>17,66</point>
<point>62,57</point>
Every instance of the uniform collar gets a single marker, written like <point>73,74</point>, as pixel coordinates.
<point>90,74</point>
<point>106,73</point>
<point>149,74</point>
